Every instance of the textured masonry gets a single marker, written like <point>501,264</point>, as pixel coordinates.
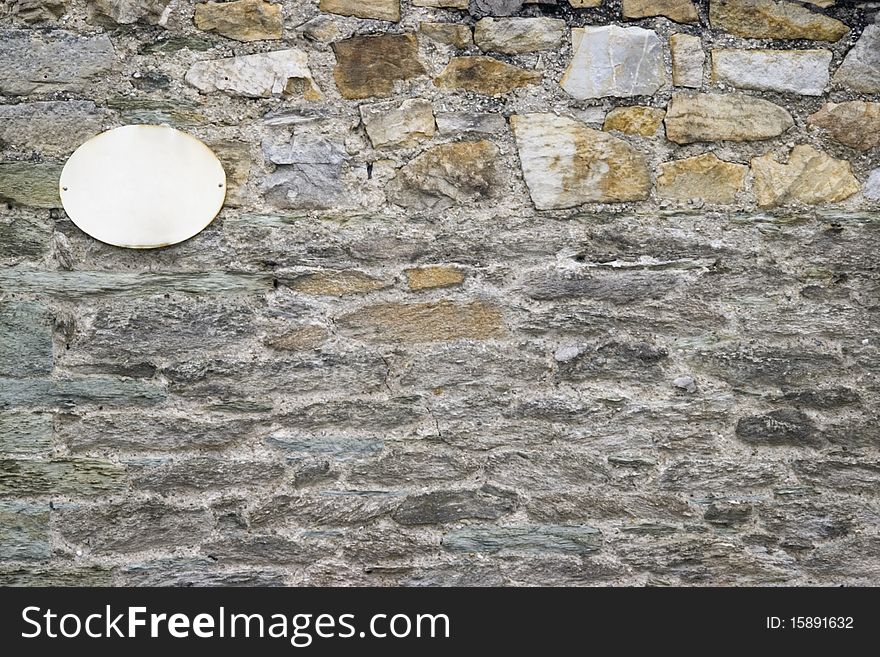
<point>503,293</point>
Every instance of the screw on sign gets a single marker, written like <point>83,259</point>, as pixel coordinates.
<point>143,186</point>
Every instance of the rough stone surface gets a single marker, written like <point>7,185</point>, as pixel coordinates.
<point>595,166</point>
<point>26,349</point>
<point>518,35</point>
<point>481,8</point>
<point>860,70</point>
<point>429,278</point>
<point>282,72</point>
<point>614,61</point>
<point>854,123</point>
<point>483,333</point>
<point>872,185</point>
<point>50,127</point>
<point>425,322</point>
<point>789,71</point>
<point>57,61</point>
<point>446,175</point>
<point>453,34</point>
<point>703,177</point>
<point>694,117</point>
<point>242,20</point>
<point>126,12</point>
<point>484,75</point>
<point>308,172</point>
<point>35,185</point>
<point>383,10</point>
<point>390,125</point>
<point>781,427</point>
<point>680,11</point>
<point>38,11</point>
<point>809,176</point>
<point>773,19</point>
<point>636,120</point>
<point>370,65</point>
<point>688,59</point>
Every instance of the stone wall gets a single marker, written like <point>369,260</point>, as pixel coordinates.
<point>503,293</point>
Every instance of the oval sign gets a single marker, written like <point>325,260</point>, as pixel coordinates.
<point>142,186</point>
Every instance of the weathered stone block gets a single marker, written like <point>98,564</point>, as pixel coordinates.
<point>447,175</point>
<point>70,393</point>
<point>785,426</point>
<point>32,62</point>
<point>242,20</point>
<point>34,185</point>
<point>50,127</point>
<point>60,477</point>
<point>425,322</point>
<point>788,71</point>
<point>614,61</point>
<point>23,237</point>
<point>25,432</point>
<point>518,35</point>
<point>393,125</point>
<point>370,65</point>
<point>383,10</point>
<point>730,117</point>
<point>262,75</point>
<point>443,506</point>
<point>566,164</point>
<point>197,474</point>
<point>773,19</point>
<point>484,75</point>
<point>860,70</point>
<point>542,539</point>
<point>26,348</point>
<point>24,532</point>
<point>134,526</point>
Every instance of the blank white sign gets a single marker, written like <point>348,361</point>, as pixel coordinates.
<point>143,186</point>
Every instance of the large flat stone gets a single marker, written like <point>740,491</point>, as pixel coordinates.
<point>425,322</point>
<point>809,177</point>
<point>542,539</point>
<point>74,477</point>
<point>263,75</point>
<point>34,185</point>
<point>688,59</point>
<point>694,117</point>
<point>34,62</point>
<point>25,432</point>
<point>242,20</point>
<point>309,172</point>
<point>370,65</point>
<point>614,61</point>
<point>680,11</point>
<point>773,19</point>
<point>50,127</point>
<point>446,175</point>
<point>518,35</point>
<point>484,75</point>
<point>789,71</point>
<point>383,10</point>
<point>393,125</point>
<point>24,531</point>
<point>854,123</point>
<point>126,12</point>
<point>566,164</point>
<point>703,177</point>
<point>26,348</point>
<point>860,70</point>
